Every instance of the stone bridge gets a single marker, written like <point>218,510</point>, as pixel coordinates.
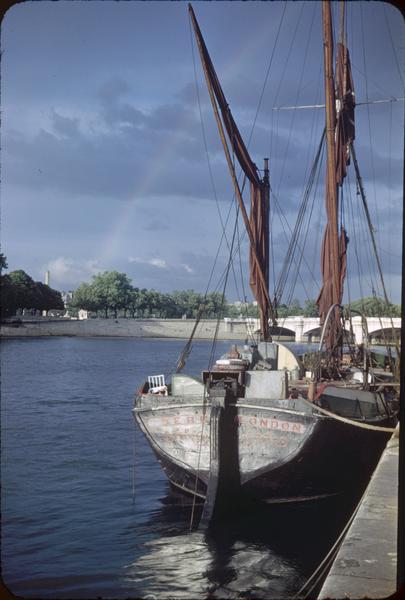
<point>304,329</point>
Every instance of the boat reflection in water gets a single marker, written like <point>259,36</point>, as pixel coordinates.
<point>269,553</point>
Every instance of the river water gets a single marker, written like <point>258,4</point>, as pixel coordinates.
<point>86,509</point>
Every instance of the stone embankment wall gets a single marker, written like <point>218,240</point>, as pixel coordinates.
<point>159,328</point>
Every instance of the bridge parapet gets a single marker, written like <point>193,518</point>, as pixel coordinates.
<point>302,326</point>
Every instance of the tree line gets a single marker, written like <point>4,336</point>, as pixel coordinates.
<point>19,291</point>
<point>370,306</point>
<point>112,294</point>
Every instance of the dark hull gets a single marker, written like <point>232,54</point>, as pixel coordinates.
<point>285,456</point>
<point>335,458</point>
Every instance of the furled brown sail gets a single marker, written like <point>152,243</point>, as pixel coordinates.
<point>345,114</point>
<point>259,216</point>
<point>256,226</point>
<point>340,134</point>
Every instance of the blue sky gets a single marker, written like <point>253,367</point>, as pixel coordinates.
<point>103,158</point>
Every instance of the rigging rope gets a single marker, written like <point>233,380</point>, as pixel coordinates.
<point>301,256</point>
<point>326,562</point>
<point>207,155</point>
<point>354,235</point>
<point>223,294</point>
<point>368,119</point>
<point>296,99</point>
<point>281,214</point>
<point>284,69</point>
<point>267,75</point>
<point>393,47</point>
<point>213,347</point>
<point>367,214</point>
<point>304,106</point>
<point>198,460</point>
<point>297,229</point>
<point>188,346</point>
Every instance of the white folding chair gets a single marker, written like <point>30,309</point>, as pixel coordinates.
<point>157,384</point>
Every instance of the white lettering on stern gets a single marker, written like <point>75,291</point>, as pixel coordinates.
<point>270,423</point>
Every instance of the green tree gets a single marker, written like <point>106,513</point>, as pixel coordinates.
<point>213,303</point>
<point>187,302</point>
<point>47,298</point>
<point>232,311</point>
<point>169,308</point>
<point>8,301</point>
<point>19,291</point>
<point>283,311</point>
<point>310,309</point>
<point>112,291</point>
<point>133,302</point>
<point>83,298</point>
<point>253,310</point>
<point>143,301</point>
<point>295,308</point>
<point>24,289</point>
<point>153,302</point>
<point>3,262</point>
<point>373,306</point>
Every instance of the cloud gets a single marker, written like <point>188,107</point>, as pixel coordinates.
<point>159,263</point>
<point>121,152</point>
<point>156,225</point>
<point>187,268</point>
<point>68,271</point>
<point>128,154</point>
<point>113,89</point>
<point>66,126</point>
<point>115,111</point>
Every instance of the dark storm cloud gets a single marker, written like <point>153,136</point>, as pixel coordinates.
<point>101,120</point>
<point>156,225</point>
<point>113,89</point>
<point>109,153</point>
<point>65,126</point>
<point>110,162</point>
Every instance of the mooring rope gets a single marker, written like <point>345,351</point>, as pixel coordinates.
<point>348,421</point>
<point>199,459</point>
<point>325,563</point>
<point>134,468</point>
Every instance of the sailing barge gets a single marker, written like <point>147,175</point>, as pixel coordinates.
<point>253,425</point>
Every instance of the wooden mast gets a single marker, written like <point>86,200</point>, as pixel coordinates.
<point>264,314</point>
<point>262,275</point>
<point>332,201</point>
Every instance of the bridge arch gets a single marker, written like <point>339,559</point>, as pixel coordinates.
<point>282,333</point>
<point>384,335</point>
<point>279,333</point>
<point>314,335</point>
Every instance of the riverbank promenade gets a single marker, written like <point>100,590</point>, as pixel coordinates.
<point>366,564</point>
<point>298,329</point>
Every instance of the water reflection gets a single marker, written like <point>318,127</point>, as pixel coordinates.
<point>267,552</point>
<point>195,565</point>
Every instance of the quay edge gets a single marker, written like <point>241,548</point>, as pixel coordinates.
<point>366,563</point>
